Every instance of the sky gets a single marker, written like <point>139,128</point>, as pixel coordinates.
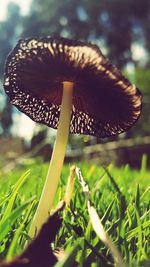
<point>24,6</point>
<point>23,126</point>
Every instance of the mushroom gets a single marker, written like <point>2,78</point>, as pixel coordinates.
<point>69,85</point>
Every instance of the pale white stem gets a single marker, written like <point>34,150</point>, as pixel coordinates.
<point>56,163</point>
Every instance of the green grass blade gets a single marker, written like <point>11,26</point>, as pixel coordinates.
<point>108,211</point>
<point>129,235</point>
<point>4,199</point>
<point>6,225</point>
<point>137,198</point>
<point>13,195</point>
<point>140,251</point>
<point>116,187</point>
<point>119,218</point>
<point>145,192</point>
<point>143,165</point>
<point>13,246</point>
<point>113,227</point>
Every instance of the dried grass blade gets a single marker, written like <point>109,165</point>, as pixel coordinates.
<point>96,222</point>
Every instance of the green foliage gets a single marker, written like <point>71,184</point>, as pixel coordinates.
<point>120,196</point>
<point>141,78</point>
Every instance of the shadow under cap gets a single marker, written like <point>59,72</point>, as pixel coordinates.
<point>104,102</point>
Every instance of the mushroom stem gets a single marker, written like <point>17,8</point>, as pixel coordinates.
<point>56,163</point>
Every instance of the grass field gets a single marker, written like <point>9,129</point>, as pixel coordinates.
<point>121,197</point>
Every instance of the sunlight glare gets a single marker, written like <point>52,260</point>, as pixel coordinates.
<point>23,4</point>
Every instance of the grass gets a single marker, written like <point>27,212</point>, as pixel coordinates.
<point>121,197</point>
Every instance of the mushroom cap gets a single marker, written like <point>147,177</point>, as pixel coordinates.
<point>104,102</point>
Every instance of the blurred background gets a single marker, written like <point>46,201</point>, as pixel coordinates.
<point>121,29</point>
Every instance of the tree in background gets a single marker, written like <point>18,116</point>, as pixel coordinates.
<point>10,30</point>
<point>113,24</point>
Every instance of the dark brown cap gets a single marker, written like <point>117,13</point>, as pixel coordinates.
<point>104,102</point>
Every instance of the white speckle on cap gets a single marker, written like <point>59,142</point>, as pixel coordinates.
<point>6,83</point>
